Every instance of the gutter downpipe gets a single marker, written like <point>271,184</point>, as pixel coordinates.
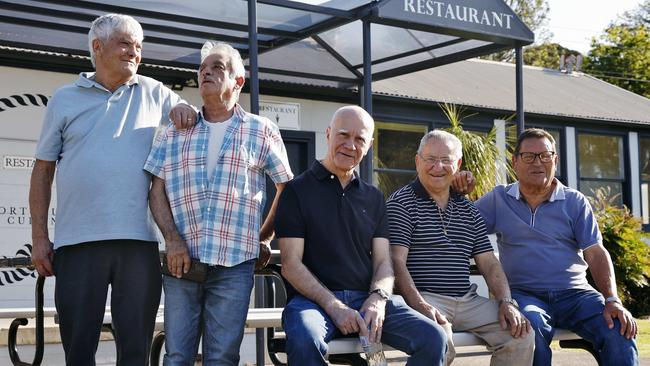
<point>365,168</point>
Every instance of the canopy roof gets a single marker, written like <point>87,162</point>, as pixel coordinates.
<point>318,42</point>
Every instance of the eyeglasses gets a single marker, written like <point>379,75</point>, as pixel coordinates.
<point>544,156</point>
<point>432,160</point>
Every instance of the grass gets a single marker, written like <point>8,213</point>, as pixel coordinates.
<point>642,339</point>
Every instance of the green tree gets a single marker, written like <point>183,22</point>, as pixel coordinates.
<point>621,56</point>
<point>481,155</point>
<point>546,55</point>
<point>534,13</point>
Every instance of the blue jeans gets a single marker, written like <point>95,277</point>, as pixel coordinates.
<point>580,311</point>
<point>309,329</point>
<point>215,309</point>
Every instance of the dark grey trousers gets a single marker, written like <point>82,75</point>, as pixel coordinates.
<point>83,273</point>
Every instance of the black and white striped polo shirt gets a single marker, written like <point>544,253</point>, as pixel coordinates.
<point>437,262</point>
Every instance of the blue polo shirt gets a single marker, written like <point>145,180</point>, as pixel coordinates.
<point>100,141</point>
<point>338,226</point>
<point>541,250</point>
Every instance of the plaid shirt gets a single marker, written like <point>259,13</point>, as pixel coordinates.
<point>218,213</point>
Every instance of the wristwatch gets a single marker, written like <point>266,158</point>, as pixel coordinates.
<point>379,291</point>
<point>613,299</point>
<point>509,300</point>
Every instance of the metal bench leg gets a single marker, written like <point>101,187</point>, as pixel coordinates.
<point>40,339</point>
<point>581,344</point>
<point>156,348</point>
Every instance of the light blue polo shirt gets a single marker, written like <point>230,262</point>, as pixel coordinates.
<point>100,141</point>
<point>541,250</point>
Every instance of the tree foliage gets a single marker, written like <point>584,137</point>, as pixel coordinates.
<point>546,55</point>
<point>481,155</point>
<point>625,241</point>
<point>534,13</point>
<point>621,56</point>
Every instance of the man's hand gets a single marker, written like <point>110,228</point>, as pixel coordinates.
<point>183,116</point>
<point>463,182</point>
<point>265,255</point>
<point>374,311</point>
<point>510,315</point>
<point>615,310</point>
<point>43,257</point>
<point>432,313</point>
<point>178,257</point>
<point>347,320</point>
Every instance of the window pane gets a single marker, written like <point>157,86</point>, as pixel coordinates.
<point>389,182</point>
<point>394,148</point>
<point>644,158</point>
<point>588,187</point>
<point>600,156</point>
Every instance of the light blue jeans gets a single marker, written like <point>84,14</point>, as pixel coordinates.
<point>309,329</point>
<point>580,311</point>
<point>215,309</point>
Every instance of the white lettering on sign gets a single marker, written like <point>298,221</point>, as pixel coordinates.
<point>18,162</point>
<point>286,115</point>
<point>461,13</point>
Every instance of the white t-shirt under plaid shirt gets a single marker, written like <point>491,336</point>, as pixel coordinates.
<point>218,213</point>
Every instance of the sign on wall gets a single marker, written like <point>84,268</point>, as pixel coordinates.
<point>285,115</point>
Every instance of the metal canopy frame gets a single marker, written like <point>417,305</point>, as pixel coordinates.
<point>317,42</point>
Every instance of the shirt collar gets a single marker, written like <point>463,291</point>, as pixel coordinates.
<point>321,173</point>
<point>87,80</point>
<point>238,115</point>
<point>557,194</point>
<point>421,192</point>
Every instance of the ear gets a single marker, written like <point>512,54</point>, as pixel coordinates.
<point>239,82</point>
<point>327,133</point>
<point>459,164</point>
<point>97,45</point>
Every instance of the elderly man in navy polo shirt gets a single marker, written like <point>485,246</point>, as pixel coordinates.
<point>333,235</point>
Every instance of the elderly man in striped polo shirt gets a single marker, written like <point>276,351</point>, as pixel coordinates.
<point>434,233</point>
<point>207,198</point>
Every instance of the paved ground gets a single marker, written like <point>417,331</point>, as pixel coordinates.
<point>472,356</point>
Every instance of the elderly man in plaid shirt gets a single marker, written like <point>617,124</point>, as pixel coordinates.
<point>207,197</point>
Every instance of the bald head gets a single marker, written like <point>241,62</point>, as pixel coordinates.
<point>353,112</point>
<point>349,136</point>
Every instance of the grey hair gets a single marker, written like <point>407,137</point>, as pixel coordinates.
<point>235,62</point>
<point>103,27</point>
<point>444,136</point>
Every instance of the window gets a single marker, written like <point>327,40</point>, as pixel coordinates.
<point>394,152</point>
<point>644,168</point>
<point>601,164</point>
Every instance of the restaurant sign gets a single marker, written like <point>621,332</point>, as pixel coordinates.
<point>490,17</point>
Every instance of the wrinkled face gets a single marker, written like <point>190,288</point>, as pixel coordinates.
<point>119,56</point>
<point>436,166</point>
<point>215,79</point>
<point>348,141</point>
<point>536,174</point>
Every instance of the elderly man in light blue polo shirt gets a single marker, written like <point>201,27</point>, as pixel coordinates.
<point>96,135</point>
<point>548,237</point>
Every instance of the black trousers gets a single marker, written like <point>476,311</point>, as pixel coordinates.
<point>83,273</point>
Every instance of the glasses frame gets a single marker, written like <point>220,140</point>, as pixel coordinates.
<point>536,156</point>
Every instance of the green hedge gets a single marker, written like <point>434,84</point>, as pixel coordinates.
<point>628,246</point>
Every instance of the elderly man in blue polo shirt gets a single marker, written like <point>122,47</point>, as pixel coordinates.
<point>333,237</point>
<point>434,232</point>
<point>96,136</point>
<point>548,237</point>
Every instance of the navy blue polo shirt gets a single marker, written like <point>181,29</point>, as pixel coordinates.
<point>338,226</point>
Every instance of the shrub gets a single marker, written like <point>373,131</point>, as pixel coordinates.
<point>627,244</point>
